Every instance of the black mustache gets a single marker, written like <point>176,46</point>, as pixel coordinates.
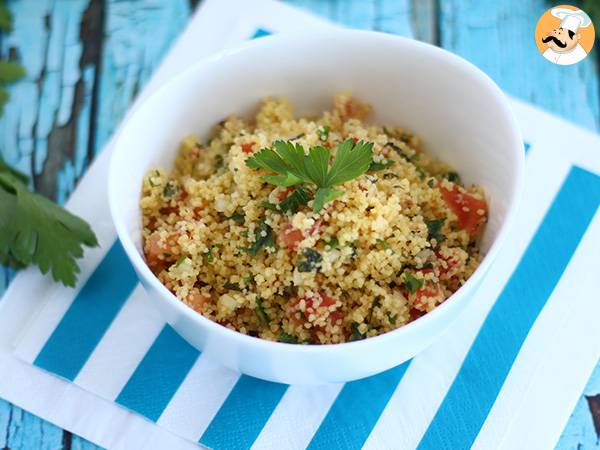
<point>556,41</point>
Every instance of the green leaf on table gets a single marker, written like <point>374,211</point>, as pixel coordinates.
<point>33,230</point>
<point>10,71</point>
<point>5,18</point>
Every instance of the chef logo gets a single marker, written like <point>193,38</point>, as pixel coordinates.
<point>564,35</point>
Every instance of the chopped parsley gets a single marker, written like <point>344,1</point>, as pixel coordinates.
<point>311,261</point>
<point>434,229</point>
<point>412,284</point>
<point>375,166</point>
<point>219,162</point>
<point>208,256</point>
<point>237,218</point>
<point>333,243</point>
<point>452,176</point>
<point>323,132</point>
<point>384,245</point>
<point>393,318</point>
<point>356,334</point>
<point>180,260</point>
<point>268,240</point>
<point>232,286</point>
<point>287,338</point>
<point>260,311</point>
<point>300,196</point>
<point>269,205</point>
<point>293,166</point>
<point>170,189</point>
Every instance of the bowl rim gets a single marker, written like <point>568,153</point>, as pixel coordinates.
<point>452,301</point>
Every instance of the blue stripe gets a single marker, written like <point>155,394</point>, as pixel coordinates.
<point>356,411</point>
<point>243,414</point>
<point>89,316</point>
<point>159,375</point>
<point>260,32</point>
<point>477,384</point>
<point>527,146</point>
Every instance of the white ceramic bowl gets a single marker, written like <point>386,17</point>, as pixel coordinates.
<point>462,116</point>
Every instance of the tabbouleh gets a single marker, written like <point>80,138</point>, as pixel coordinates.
<point>394,243</point>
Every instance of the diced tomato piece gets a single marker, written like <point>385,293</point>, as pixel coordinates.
<point>450,264</point>
<point>197,300</point>
<point>414,314</point>
<point>284,194</point>
<point>466,207</point>
<point>247,148</point>
<point>291,236</point>
<point>423,297</point>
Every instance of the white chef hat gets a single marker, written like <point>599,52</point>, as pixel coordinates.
<point>571,20</point>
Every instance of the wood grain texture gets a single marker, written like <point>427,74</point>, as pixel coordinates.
<point>87,59</point>
<point>498,38</point>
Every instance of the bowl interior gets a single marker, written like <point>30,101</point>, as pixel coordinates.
<point>461,116</point>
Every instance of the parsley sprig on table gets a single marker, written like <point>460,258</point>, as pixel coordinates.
<point>33,230</point>
<point>294,167</point>
<point>10,71</point>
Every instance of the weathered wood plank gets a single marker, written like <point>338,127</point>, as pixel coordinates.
<point>138,33</point>
<point>23,431</point>
<point>498,38</point>
<point>59,116</point>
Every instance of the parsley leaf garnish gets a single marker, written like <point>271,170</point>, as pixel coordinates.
<point>33,230</point>
<point>293,166</point>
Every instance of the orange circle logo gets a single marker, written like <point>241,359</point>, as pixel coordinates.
<point>564,35</point>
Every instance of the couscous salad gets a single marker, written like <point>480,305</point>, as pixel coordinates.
<point>311,230</point>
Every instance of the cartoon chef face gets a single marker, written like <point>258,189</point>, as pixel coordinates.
<point>561,39</point>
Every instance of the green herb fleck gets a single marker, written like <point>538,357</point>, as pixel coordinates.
<point>299,197</point>
<point>268,240</point>
<point>393,318</point>
<point>412,284</point>
<point>237,218</point>
<point>287,338</point>
<point>384,245</point>
<point>269,205</point>
<point>180,261</point>
<point>389,176</point>
<point>323,132</point>
<point>170,189</point>
<point>356,335</point>
<point>333,243</point>
<point>208,256</point>
<point>244,233</point>
<point>232,286</point>
<point>219,162</point>
<point>434,229</point>
<point>313,258</point>
<point>249,279</point>
<point>453,177</point>
<point>375,166</point>
<point>260,312</point>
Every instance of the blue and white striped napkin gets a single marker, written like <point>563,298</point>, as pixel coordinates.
<point>506,375</point>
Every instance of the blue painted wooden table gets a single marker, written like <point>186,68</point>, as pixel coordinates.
<point>87,59</point>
